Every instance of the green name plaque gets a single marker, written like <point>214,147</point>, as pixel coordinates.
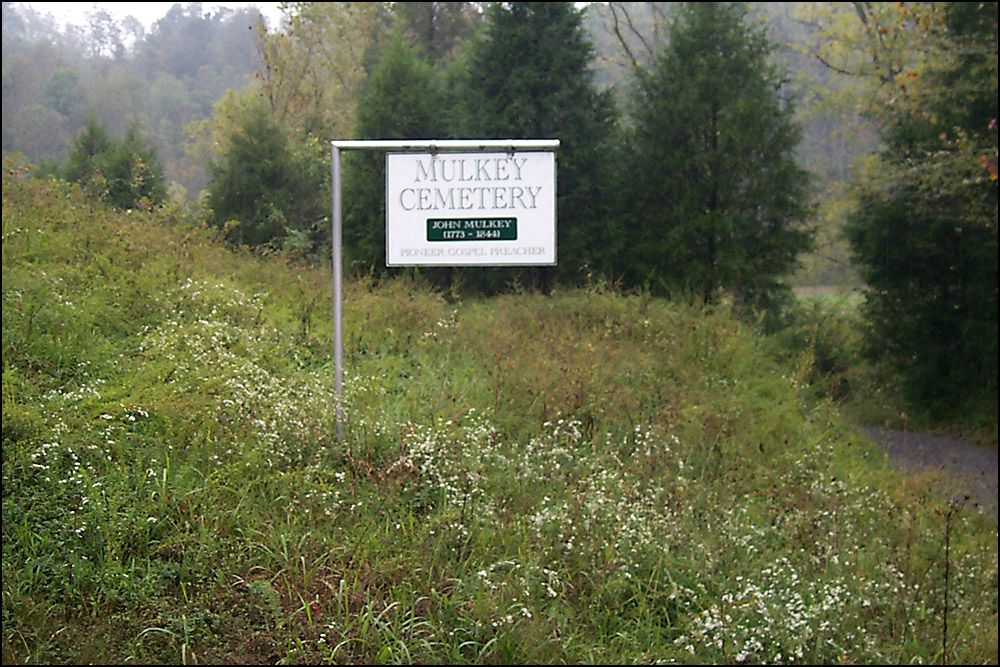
<point>472,229</point>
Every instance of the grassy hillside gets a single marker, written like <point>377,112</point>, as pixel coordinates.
<point>586,477</point>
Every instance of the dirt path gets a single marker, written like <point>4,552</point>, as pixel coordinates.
<point>973,466</point>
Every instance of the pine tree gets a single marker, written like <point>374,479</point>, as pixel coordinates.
<point>248,189</point>
<point>126,174</point>
<point>717,199</point>
<point>271,186</point>
<point>84,165</point>
<point>528,76</point>
<point>401,101</point>
<point>133,172</point>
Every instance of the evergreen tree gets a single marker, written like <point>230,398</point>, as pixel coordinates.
<point>269,189</point>
<point>248,189</point>
<point>717,199</point>
<point>528,76</point>
<point>401,101</point>
<point>133,172</point>
<point>84,163</point>
<point>925,233</point>
<point>126,174</point>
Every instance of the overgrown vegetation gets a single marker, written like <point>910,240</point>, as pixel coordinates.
<point>585,477</point>
<point>827,326</point>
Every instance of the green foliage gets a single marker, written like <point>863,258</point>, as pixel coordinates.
<point>63,92</point>
<point>716,197</point>
<point>82,166</point>
<point>439,28</point>
<point>829,334</point>
<point>580,478</point>
<point>249,186</point>
<point>528,76</point>
<point>822,332</point>
<point>925,232</point>
<point>133,172</point>
<point>266,187</point>
<point>401,100</point>
<point>314,68</point>
<point>126,174</point>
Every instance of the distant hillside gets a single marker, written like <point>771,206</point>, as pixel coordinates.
<point>54,79</point>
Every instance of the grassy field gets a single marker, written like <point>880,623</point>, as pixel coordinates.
<point>584,477</point>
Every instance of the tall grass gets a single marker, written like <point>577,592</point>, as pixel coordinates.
<point>586,477</point>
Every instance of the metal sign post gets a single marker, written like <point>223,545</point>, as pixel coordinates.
<point>338,301</point>
<point>426,145</point>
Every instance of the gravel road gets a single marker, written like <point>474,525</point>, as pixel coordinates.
<point>973,466</point>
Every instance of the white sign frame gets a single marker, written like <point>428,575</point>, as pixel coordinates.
<point>470,197</point>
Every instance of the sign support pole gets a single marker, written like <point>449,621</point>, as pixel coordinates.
<point>384,145</point>
<point>338,301</point>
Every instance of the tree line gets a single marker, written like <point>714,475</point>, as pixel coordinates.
<point>695,190</point>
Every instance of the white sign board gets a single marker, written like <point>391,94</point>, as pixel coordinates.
<point>462,209</point>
